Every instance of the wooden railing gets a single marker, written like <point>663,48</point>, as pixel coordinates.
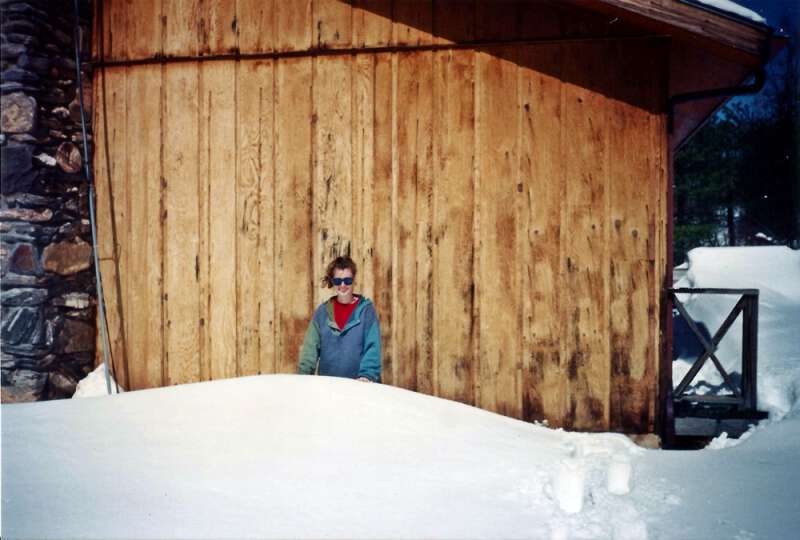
<point>744,398</point>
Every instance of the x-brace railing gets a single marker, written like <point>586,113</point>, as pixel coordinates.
<point>747,304</point>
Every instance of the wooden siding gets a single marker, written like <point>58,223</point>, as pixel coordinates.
<point>506,207</point>
<point>127,30</point>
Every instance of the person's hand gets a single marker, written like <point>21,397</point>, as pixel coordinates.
<point>363,379</point>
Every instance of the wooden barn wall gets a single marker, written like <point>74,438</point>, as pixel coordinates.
<point>505,205</point>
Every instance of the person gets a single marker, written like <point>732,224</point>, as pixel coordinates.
<point>343,338</point>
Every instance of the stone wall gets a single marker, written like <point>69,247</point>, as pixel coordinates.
<point>47,282</point>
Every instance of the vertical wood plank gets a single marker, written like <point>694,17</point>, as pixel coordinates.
<point>223,249</point>
<point>254,208</point>
<point>117,359</point>
<point>583,238</point>
<point>631,345</point>
<point>660,259</point>
<point>103,95</point>
<point>424,225</point>
<point>372,23</point>
<point>454,22</point>
<point>413,22</point>
<point>393,370</point>
<point>181,19</point>
<point>412,262</point>
<point>477,283</point>
<point>541,173</point>
<point>293,24</point>
<point>267,252</point>
<point>497,19</point>
<point>267,288</point>
<point>630,204</point>
<point>110,133</point>
<point>98,31</point>
<point>143,30</point>
<point>404,193</point>
<point>332,189</point>
<point>203,265</point>
<point>182,223</point>
<point>115,24</point>
<point>453,296</point>
<point>363,161</point>
<point>217,27</point>
<point>255,21</point>
<point>500,299</point>
<point>383,224</point>
<point>144,251</point>
<point>293,207</point>
<point>118,127</point>
<point>332,24</point>
<point>546,19</point>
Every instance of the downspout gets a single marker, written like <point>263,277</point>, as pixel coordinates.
<point>729,91</point>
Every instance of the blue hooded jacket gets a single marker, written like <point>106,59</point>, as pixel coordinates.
<point>354,351</point>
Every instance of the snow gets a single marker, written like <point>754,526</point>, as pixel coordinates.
<point>290,456</point>
<point>775,272</point>
<point>762,236</point>
<point>94,384</point>
<point>733,7</point>
<point>619,475</point>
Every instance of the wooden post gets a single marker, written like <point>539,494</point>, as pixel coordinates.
<point>750,351</point>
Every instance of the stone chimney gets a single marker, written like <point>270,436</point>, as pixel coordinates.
<point>47,275</point>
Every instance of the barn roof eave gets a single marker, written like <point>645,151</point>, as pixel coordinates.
<point>728,35</point>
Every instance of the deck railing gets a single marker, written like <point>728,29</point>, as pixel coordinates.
<point>744,398</point>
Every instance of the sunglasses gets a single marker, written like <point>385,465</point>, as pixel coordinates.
<point>339,280</point>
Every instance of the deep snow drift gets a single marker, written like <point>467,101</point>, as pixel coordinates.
<point>297,456</point>
<point>290,456</point>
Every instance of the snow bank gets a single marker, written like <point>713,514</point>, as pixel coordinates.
<point>289,456</point>
<point>745,492</point>
<point>775,271</point>
<point>94,384</point>
<point>733,7</point>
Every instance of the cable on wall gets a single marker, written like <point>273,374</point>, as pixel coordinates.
<point>92,217</point>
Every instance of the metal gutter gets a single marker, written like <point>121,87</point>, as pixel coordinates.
<point>729,91</point>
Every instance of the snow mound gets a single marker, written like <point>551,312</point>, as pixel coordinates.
<point>775,272</point>
<point>94,384</point>
<point>290,456</point>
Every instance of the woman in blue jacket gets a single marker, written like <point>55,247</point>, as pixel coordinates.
<point>343,338</point>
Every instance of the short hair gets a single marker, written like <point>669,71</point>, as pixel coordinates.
<point>339,263</point>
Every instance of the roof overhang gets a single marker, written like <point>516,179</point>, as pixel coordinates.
<point>711,49</point>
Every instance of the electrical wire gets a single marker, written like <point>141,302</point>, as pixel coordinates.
<point>92,217</point>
